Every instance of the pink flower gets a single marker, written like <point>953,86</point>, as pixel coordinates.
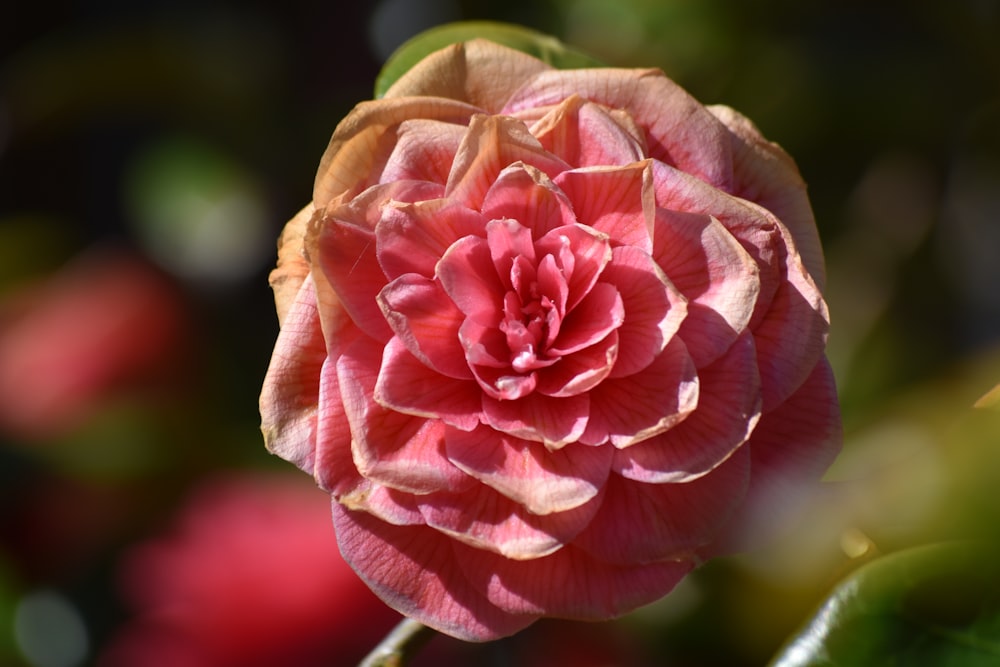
<point>547,337</point>
<point>247,575</point>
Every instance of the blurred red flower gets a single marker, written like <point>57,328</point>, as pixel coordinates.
<point>105,321</point>
<point>248,575</point>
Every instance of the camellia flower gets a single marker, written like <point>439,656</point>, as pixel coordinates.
<point>549,338</point>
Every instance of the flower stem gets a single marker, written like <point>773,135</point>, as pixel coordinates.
<point>401,644</point>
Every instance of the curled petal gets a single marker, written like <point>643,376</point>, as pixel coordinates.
<point>646,523</point>
<point>427,322</point>
<point>469,277</point>
<point>631,409</point>
<point>581,253</point>
<point>508,240</point>
<point>654,309</point>
<point>412,237</point>
<point>717,276</point>
<point>596,316</point>
<point>588,135</point>
<point>392,448</point>
<point>424,151</point>
<point>555,422</point>
<point>615,200</point>
<point>728,409</point>
<point>485,519</point>
<point>569,583</point>
<point>523,193</point>
<point>491,144</point>
<point>407,385</point>
<point>416,571</point>
<point>542,480</point>
<point>580,371</point>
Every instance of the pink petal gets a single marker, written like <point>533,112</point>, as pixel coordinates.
<point>792,336</point>
<point>415,570</point>
<point>508,240</point>
<point>597,315</point>
<point>367,209</point>
<point>291,388</point>
<point>527,472</point>
<point>427,322</point>
<point>553,421</point>
<point>790,449</point>
<point>387,504</point>
<point>389,447</point>
<point>569,583</point>
<point>527,195</point>
<point>717,276</point>
<point>469,277</point>
<point>628,410</point>
<point>654,309</point>
<point>679,130</point>
<point>485,519</point>
<point>646,523</point>
<point>346,256</point>
<point>492,144</point>
<point>587,135</point>
<point>766,175</point>
<point>580,371</point>
<point>412,237</point>
<point>728,409</point>
<point>424,151</point>
<point>363,142</point>
<point>617,201</point>
<point>408,386</point>
<point>581,254</point>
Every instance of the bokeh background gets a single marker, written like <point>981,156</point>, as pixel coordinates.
<point>149,155</point>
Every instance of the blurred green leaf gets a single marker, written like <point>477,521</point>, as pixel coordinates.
<point>932,605</point>
<point>538,44</point>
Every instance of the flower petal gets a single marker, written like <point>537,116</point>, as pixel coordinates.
<point>424,151</point>
<point>631,409</point>
<point>469,277</point>
<point>523,193</point>
<point>392,448</point>
<point>581,254</point>
<point>615,200</point>
<point>553,421</point>
<point>679,130</point>
<point>654,309</point>
<point>728,409</point>
<point>491,144</point>
<point>541,480</point>
<point>646,523</point>
<point>588,135</point>
<point>717,276</point>
<point>483,518</point>
<point>569,583</point>
<point>412,237</point>
<point>408,386</point>
<point>597,315</point>
<point>415,570</point>
<point>427,322</point>
<point>580,371</point>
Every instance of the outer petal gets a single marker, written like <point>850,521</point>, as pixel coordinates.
<point>415,570</point>
<point>569,583</point>
<point>553,421</point>
<point>292,268</point>
<point>717,276</point>
<point>766,175</point>
<point>363,142</point>
<point>483,518</point>
<point>679,130</point>
<point>588,135</point>
<point>290,394</point>
<point>628,410</point>
<point>527,472</point>
<point>645,523</point>
<point>394,449</point>
<point>728,409</point>
<point>478,71</point>
<point>424,151</point>
<point>790,449</point>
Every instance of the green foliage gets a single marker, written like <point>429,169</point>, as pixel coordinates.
<point>934,605</point>
<point>542,46</point>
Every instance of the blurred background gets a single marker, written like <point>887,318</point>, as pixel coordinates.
<point>149,155</point>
